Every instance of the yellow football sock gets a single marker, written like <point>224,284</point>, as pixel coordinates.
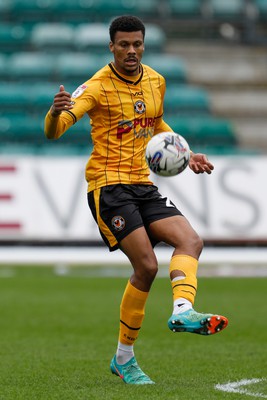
<point>132,311</point>
<point>184,287</point>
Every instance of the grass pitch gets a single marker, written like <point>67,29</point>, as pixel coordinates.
<point>58,334</point>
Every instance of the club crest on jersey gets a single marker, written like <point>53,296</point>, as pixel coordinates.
<point>140,107</point>
<point>79,91</point>
<point>118,222</point>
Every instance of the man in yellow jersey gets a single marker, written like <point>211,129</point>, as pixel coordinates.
<point>124,101</point>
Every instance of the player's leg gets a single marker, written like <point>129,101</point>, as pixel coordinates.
<point>177,232</point>
<point>121,225</point>
<point>138,249</point>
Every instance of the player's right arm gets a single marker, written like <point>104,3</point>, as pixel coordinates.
<point>57,123</point>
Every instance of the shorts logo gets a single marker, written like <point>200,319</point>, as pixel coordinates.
<point>140,107</point>
<point>118,223</point>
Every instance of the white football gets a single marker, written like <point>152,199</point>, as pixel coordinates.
<point>167,154</point>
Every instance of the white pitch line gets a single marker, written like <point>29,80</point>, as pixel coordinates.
<point>235,387</point>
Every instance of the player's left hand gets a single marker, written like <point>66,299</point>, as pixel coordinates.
<point>199,163</point>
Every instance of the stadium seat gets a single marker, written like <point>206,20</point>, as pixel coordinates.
<point>185,8</point>
<point>201,131</point>
<point>77,67</point>
<point>155,38</point>
<point>50,36</point>
<point>148,8</point>
<point>16,149</point>
<point>180,99</point>
<point>13,37</point>
<point>227,8</point>
<point>108,9</point>
<point>31,66</point>
<point>16,129</point>
<point>3,66</point>
<point>5,7</point>
<point>262,8</point>
<point>29,129</point>
<point>17,96</point>
<point>93,37</point>
<point>170,66</point>
<point>14,96</point>
<point>73,11</point>
<point>32,10</point>
<point>42,95</point>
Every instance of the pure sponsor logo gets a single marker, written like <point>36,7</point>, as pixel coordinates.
<point>118,222</point>
<point>124,126</point>
<point>142,127</point>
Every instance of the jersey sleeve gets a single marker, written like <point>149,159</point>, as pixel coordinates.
<point>83,101</point>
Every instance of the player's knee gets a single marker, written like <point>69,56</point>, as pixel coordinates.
<point>196,244</point>
<point>148,269</point>
<point>151,272</point>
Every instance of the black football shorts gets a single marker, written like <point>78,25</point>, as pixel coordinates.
<point>120,209</point>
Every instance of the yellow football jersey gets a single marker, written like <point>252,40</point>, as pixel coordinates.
<point>125,112</point>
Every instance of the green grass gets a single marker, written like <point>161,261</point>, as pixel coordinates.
<point>58,334</point>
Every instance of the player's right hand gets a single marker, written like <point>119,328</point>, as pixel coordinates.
<point>62,101</point>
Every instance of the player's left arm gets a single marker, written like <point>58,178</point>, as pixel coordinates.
<point>199,163</point>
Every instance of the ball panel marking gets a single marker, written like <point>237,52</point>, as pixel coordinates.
<point>167,154</point>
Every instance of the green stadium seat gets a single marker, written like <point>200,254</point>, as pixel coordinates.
<point>31,66</point>
<point>77,67</point>
<point>13,37</point>
<point>31,5</point>
<point>155,38</point>
<point>148,8</point>
<point>227,8</point>
<point>32,10</point>
<point>3,66</point>
<point>7,149</point>
<point>17,96</point>
<point>20,129</point>
<point>185,8</point>
<point>13,96</point>
<point>111,8</point>
<point>170,66</point>
<point>262,8</point>
<point>95,37</point>
<point>50,36</point>
<point>41,96</point>
<point>73,11</point>
<point>201,130</point>
<point>108,9</point>
<point>180,99</point>
<point>92,37</point>
<point>28,128</point>
<point>5,7</point>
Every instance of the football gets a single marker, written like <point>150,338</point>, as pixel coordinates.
<point>167,154</point>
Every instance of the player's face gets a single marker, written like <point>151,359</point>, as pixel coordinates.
<point>127,48</point>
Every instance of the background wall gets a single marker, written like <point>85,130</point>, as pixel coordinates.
<point>44,198</point>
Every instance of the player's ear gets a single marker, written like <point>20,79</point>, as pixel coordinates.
<point>111,47</point>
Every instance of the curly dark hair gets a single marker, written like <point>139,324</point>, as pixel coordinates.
<point>126,23</point>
